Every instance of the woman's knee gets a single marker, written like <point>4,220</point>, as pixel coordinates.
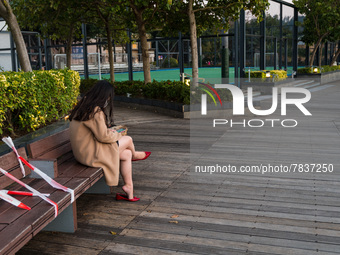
<point>129,139</point>
<point>125,155</point>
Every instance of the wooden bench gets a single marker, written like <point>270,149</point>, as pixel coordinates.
<point>18,226</point>
<point>52,155</point>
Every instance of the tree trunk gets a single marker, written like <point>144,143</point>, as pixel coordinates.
<point>7,13</point>
<point>320,53</point>
<point>335,57</point>
<point>110,50</point>
<point>69,47</point>
<point>144,46</point>
<point>317,44</point>
<point>193,41</point>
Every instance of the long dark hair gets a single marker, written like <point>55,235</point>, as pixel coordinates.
<point>101,95</point>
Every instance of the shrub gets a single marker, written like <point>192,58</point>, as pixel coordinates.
<point>174,91</point>
<point>261,75</point>
<point>324,69</point>
<point>173,63</point>
<point>86,85</point>
<point>304,70</point>
<point>29,100</point>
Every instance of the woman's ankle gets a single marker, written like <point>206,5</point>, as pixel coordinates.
<point>128,189</point>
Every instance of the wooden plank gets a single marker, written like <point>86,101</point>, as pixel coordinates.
<point>10,213</point>
<point>72,169</point>
<point>91,172</point>
<point>124,248</point>
<point>175,246</point>
<point>63,151</point>
<point>9,162</point>
<point>51,247</point>
<point>2,226</point>
<point>12,236</point>
<point>40,147</point>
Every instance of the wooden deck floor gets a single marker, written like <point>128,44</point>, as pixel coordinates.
<point>184,212</point>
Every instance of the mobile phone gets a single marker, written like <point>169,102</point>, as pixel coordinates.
<point>120,130</point>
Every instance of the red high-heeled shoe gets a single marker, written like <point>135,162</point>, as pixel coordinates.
<point>147,154</point>
<point>120,196</point>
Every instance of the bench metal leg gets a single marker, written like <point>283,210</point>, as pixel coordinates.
<point>100,187</point>
<point>66,221</point>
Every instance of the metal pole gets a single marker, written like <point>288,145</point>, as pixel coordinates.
<point>199,52</point>
<point>28,51</point>
<point>180,55</point>
<point>275,53</point>
<point>280,47</point>
<point>338,60</point>
<point>47,60</point>
<point>263,43</point>
<point>252,46</point>
<point>236,61</point>
<point>326,54</point>
<point>86,65</point>
<point>39,51</point>
<point>156,54</point>
<point>129,49</point>
<point>215,51</point>
<point>242,43</point>
<point>286,54</point>
<point>225,60</point>
<point>99,68</point>
<point>114,52</point>
<point>168,54</point>
<point>13,58</point>
<point>295,40</point>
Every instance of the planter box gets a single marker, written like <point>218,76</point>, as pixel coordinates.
<point>168,108</point>
<point>321,77</point>
<point>176,109</point>
<point>266,88</point>
<point>41,133</point>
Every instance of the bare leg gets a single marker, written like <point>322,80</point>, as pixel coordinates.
<point>126,171</point>
<point>126,143</point>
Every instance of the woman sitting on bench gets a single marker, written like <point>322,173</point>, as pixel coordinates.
<point>95,144</point>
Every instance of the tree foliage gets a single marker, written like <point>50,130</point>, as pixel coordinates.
<point>53,19</point>
<point>143,17</point>
<point>196,16</point>
<point>6,12</point>
<point>321,22</point>
<point>108,16</point>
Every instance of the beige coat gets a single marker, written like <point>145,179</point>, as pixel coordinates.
<point>93,144</point>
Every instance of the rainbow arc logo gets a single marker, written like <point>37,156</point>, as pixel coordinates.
<point>204,97</point>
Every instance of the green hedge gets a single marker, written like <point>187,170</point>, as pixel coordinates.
<point>278,75</point>
<point>30,100</point>
<point>324,69</point>
<point>173,63</point>
<point>174,91</point>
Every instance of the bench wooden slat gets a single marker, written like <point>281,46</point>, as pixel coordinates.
<point>73,169</point>
<point>2,226</point>
<point>13,239</point>
<point>40,147</point>
<point>92,173</point>
<point>18,226</point>
<point>58,152</point>
<point>9,213</point>
<point>9,162</point>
